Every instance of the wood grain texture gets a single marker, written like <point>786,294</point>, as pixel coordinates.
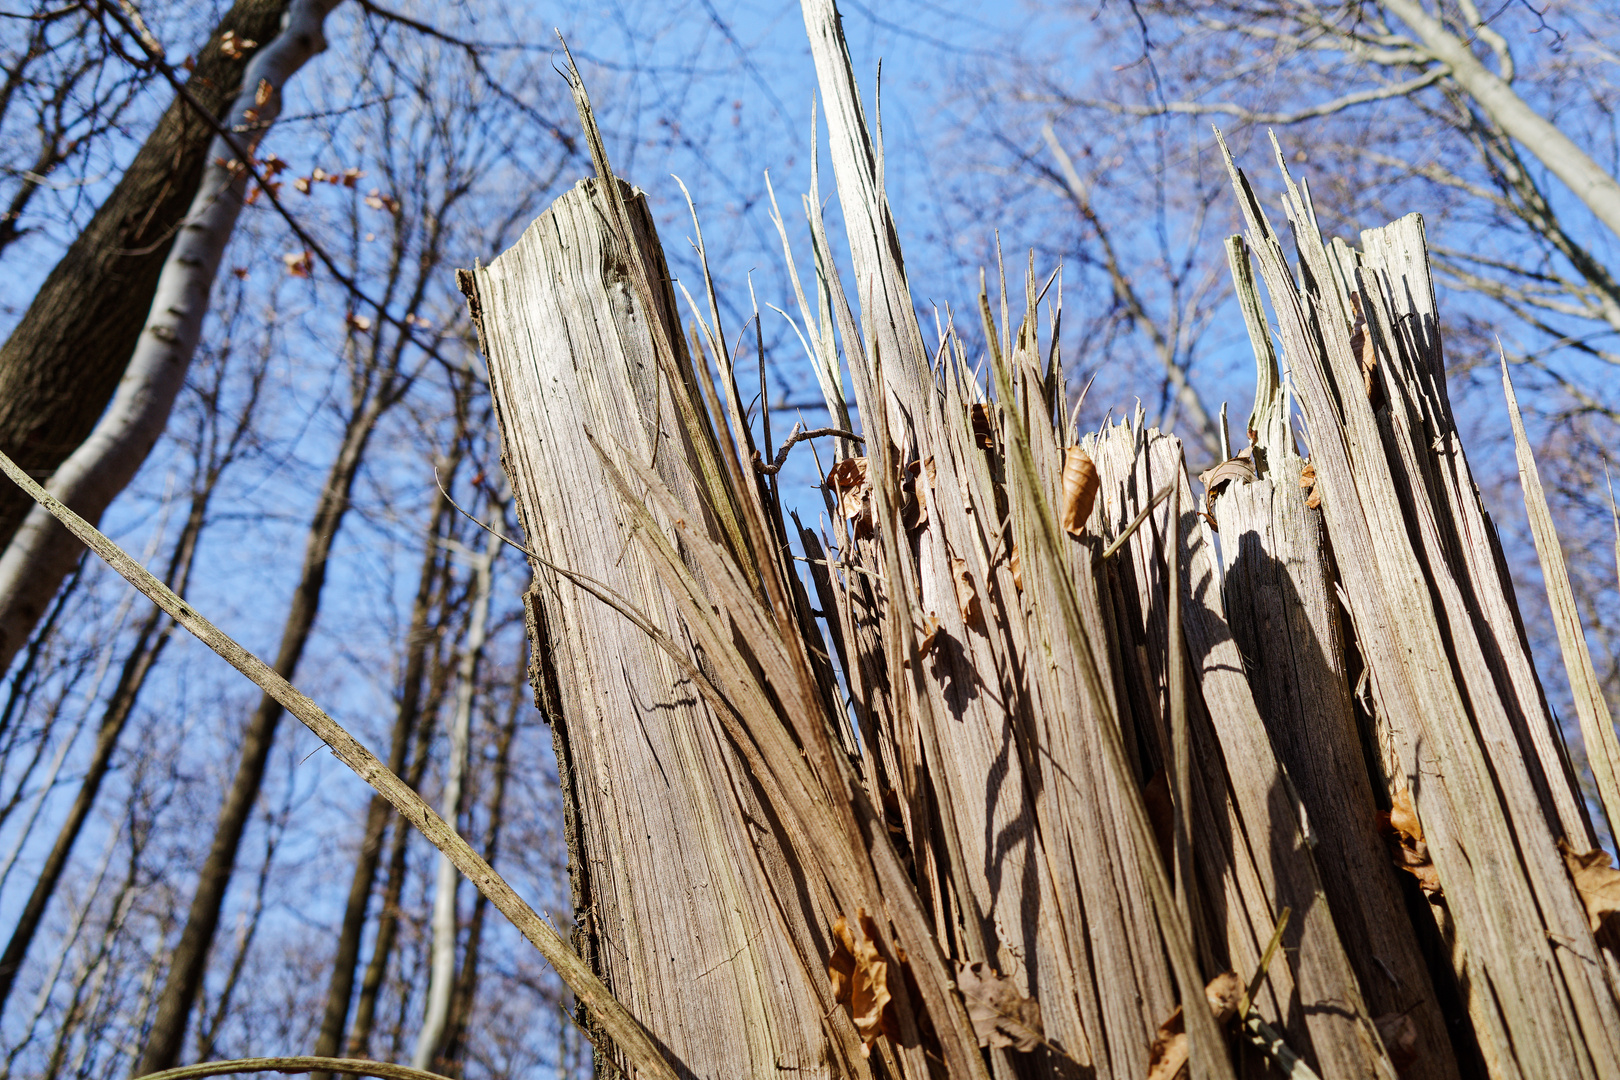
<point>1251,854</point>
<point>672,902</point>
<point>1537,994</point>
<point>1285,619</point>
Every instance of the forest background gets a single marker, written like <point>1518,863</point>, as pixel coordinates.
<point>427,136</point>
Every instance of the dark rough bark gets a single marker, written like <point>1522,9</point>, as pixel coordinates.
<point>59,367</point>
<point>190,959</point>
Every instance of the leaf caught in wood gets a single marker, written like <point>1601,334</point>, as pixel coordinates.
<point>1079,490</point>
<point>860,978</point>
<point>1399,1033</point>
<point>1239,466</point>
<point>914,494</point>
<point>1401,827</point>
<point>1307,480</point>
<point>851,484</point>
<point>1001,1016</point>
<point>930,634</point>
<point>1599,886</point>
<point>1361,343</point>
<point>967,594</point>
<point>1016,564</point>
<point>1167,1060</point>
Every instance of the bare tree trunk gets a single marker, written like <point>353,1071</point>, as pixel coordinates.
<point>42,552</point>
<point>329,1043</point>
<point>365,1007</point>
<point>190,957</point>
<point>59,367</point>
<point>442,981</point>
<point>452,1060</point>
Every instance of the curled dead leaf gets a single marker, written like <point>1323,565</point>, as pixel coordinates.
<point>851,485</point>
<point>914,494</point>
<point>1168,1057</point>
<point>1001,1016</point>
<point>1599,886</point>
<point>930,634</point>
<point>1016,564</point>
<point>1079,490</point>
<point>1239,467</point>
<point>1399,1034</point>
<point>967,594</point>
<point>860,979</point>
<point>1307,480</point>
<point>1402,829</point>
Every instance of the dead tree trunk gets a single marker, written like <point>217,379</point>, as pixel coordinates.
<point>670,903</point>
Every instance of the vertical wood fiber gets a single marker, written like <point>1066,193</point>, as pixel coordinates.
<point>676,913</point>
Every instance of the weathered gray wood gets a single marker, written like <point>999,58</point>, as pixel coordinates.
<point>1532,980</point>
<point>1597,726</point>
<point>1284,616</point>
<point>1253,858</point>
<point>672,904</point>
<point>1001,727</point>
<point>1280,601</point>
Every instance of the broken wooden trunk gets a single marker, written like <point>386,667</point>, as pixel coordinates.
<point>1028,744</point>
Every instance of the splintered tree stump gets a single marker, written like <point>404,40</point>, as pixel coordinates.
<point>672,860</point>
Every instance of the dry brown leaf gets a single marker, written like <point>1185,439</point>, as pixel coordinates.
<point>1599,886</point>
<point>851,484</point>
<point>1001,1016</point>
<point>236,47</point>
<point>967,595</point>
<point>1017,566</point>
<point>1079,490</point>
<point>914,496</point>
<point>1239,467</point>
<point>1307,480</point>
<point>1402,828</point>
<point>930,634</point>
<point>1361,344</point>
<point>860,978</point>
<point>1400,1034</point>
<point>1167,1060</point>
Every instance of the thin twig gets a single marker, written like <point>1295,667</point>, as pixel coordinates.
<point>616,1021</point>
<point>1247,1000</point>
<point>798,436</point>
<point>1119,541</point>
